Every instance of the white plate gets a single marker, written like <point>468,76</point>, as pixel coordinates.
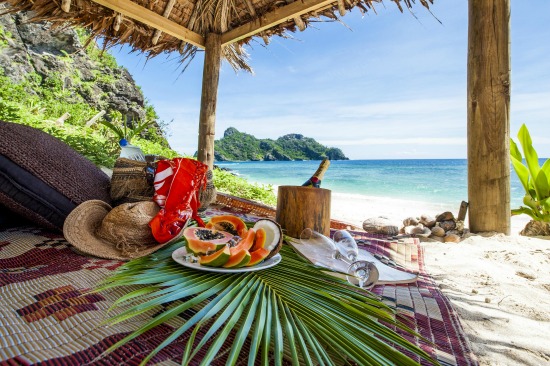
<point>179,254</point>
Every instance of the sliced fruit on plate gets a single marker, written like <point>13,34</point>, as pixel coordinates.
<point>257,256</point>
<point>259,239</point>
<point>201,240</point>
<point>245,243</point>
<point>238,259</point>
<point>272,236</point>
<point>229,223</point>
<point>217,259</point>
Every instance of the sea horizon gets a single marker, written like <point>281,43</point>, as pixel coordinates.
<point>435,182</point>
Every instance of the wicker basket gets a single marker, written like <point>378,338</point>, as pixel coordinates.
<point>259,209</point>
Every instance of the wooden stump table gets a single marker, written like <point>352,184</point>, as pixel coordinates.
<point>303,207</point>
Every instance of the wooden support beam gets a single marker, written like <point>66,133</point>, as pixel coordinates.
<point>273,18</point>
<point>166,14</point>
<point>341,7</point>
<point>118,22</point>
<point>210,79</point>
<point>299,23</point>
<point>146,16</point>
<point>488,115</point>
<point>66,5</point>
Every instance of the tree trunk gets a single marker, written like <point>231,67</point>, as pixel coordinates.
<point>210,78</point>
<point>489,115</point>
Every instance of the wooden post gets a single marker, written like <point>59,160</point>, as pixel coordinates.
<point>210,78</point>
<point>95,118</point>
<point>489,115</point>
<point>61,120</point>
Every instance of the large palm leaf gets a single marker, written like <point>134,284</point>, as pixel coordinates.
<point>292,311</point>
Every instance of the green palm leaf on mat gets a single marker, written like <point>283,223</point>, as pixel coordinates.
<point>293,311</point>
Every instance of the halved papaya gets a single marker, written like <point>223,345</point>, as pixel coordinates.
<point>229,223</point>
<point>257,256</point>
<point>217,259</point>
<point>238,259</point>
<point>202,241</point>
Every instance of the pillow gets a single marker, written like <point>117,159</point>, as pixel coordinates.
<point>43,179</point>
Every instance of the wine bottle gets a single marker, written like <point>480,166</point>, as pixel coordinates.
<point>315,180</point>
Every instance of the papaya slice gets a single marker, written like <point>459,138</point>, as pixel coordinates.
<point>217,259</point>
<point>259,239</point>
<point>245,243</point>
<point>238,259</point>
<point>229,223</point>
<point>258,256</point>
<point>201,240</point>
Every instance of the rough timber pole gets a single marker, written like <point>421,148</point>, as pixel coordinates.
<point>210,78</point>
<point>489,115</point>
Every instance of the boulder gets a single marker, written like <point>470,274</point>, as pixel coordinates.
<point>451,238</point>
<point>427,221</point>
<point>438,231</point>
<point>445,216</point>
<point>536,228</point>
<point>410,221</point>
<point>447,225</point>
<point>380,225</point>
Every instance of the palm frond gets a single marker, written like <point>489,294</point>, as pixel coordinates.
<point>292,311</point>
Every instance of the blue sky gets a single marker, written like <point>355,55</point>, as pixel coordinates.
<point>384,86</point>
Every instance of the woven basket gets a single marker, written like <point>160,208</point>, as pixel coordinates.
<point>259,209</point>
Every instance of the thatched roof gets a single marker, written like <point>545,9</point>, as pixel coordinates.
<point>157,26</point>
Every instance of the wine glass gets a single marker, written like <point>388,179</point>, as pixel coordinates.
<point>346,244</point>
<point>340,257</point>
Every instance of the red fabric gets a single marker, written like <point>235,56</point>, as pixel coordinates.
<point>177,185</point>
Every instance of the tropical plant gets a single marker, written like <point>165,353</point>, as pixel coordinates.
<point>120,128</point>
<point>293,310</point>
<point>534,178</point>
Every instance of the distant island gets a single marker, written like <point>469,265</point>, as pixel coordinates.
<point>240,146</point>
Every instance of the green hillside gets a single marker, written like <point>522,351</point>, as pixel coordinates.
<point>240,146</point>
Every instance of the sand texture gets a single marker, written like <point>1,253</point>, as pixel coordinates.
<point>499,285</point>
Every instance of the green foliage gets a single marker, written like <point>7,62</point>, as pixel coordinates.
<point>38,102</point>
<point>4,36</point>
<point>94,52</point>
<point>120,128</point>
<point>534,178</point>
<point>294,311</point>
<point>239,146</point>
<point>226,182</point>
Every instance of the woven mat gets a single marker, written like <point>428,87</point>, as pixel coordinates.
<point>46,317</point>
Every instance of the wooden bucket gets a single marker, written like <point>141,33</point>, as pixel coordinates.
<point>303,207</point>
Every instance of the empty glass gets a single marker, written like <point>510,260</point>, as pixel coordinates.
<point>346,244</point>
<point>339,255</point>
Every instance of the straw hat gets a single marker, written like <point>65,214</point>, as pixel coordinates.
<point>95,228</point>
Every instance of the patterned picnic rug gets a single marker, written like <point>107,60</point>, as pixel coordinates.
<point>47,318</point>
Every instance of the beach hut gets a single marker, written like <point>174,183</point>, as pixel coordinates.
<point>223,27</point>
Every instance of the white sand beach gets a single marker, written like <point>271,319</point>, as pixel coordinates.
<point>499,285</point>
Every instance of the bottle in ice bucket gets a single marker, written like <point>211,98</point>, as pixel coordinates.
<point>315,180</point>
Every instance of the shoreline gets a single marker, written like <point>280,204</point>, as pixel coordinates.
<point>356,208</point>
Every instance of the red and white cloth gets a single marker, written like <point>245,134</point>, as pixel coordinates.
<point>177,186</point>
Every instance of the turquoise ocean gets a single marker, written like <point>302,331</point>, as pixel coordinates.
<point>433,181</point>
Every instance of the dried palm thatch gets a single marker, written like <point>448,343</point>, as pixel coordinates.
<point>161,26</point>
